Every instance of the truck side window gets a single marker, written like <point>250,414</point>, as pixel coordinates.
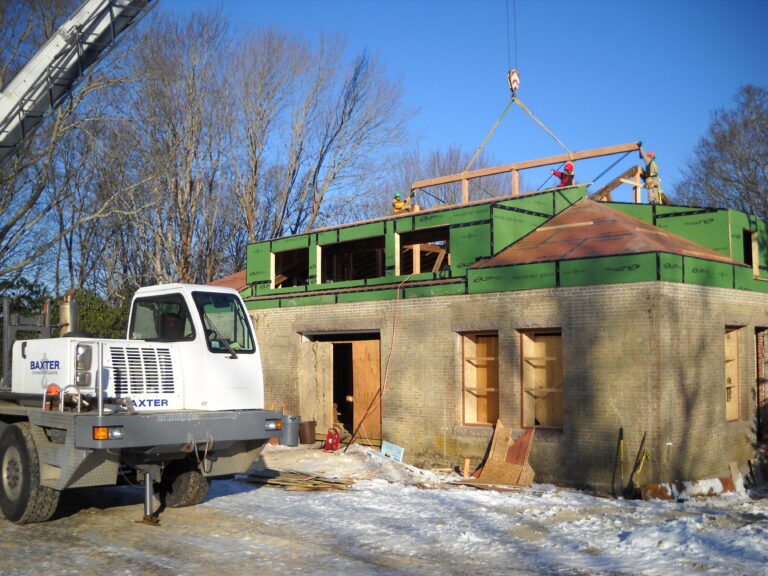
<point>226,323</point>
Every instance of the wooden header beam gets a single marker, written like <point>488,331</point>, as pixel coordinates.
<point>464,177</point>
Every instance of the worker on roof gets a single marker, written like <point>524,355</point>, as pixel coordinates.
<point>651,178</point>
<point>566,176</point>
<point>400,205</point>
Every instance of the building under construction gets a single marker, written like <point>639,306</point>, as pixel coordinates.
<point>559,311</point>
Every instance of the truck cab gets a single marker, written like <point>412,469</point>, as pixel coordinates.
<point>178,401</point>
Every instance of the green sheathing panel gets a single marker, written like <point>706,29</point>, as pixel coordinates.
<point>510,225</point>
<point>434,290</point>
<point>389,249</point>
<point>506,278</point>
<point>709,229</point>
<point>642,212</point>
<point>290,243</point>
<point>262,304</point>
<point>327,237</point>
<point>708,273</point>
<point>608,270</point>
<point>665,209</point>
<point>670,267</point>
<point>367,296</point>
<point>466,215</point>
<point>745,281</point>
<point>468,243</point>
<point>307,301</point>
<point>404,224</point>
<point>362,231</point>
<point>257,263</point>
<point>568,197</point>
<point>542,204</point>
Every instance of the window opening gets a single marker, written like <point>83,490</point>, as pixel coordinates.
<point>542,376</point>
<point>480,363</point>
<point>353,260</point>
<point>291,268</point>
<point>751,252</point>
<point>731,374</point>
<point>424,251</point>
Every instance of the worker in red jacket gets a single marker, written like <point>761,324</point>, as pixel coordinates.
<point>566,176</point>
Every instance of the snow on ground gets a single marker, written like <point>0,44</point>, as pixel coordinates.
<point>397,519</point>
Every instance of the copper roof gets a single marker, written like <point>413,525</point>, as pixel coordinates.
<point>236,281</point>
<point>588,229</point>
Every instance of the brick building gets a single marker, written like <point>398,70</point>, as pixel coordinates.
<point>547,310</point>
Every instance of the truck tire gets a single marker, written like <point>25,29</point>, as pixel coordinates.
<point>22,498</point>
<point>182,484</point>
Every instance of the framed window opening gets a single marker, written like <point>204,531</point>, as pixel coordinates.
<point>480,378</point>
<point>353,260</point>
<point>751,251</point>
<point>542,379</point>
<point>290,268</point>
<point>424,251</point>
<point>732,384</point>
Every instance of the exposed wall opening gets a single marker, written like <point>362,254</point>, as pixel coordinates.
<point>751,251</point>
<point>480,368</point>
<point>732,404</point>
<point>353,362</point>
<point>424,251</point>
<point>353,260</point>
<point>291,268</point>
<point>542,378</point>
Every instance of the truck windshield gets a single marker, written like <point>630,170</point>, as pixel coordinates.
<point>227,326</point>
<point>162,318</point>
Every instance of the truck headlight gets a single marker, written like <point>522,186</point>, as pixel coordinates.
<point>108,433</point>
<point>273,425</point>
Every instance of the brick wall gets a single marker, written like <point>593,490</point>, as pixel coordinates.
<point>647,357</point>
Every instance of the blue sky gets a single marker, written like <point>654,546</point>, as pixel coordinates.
<point>595,72</point>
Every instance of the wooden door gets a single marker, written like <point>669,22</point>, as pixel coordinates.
<point>366,382</point>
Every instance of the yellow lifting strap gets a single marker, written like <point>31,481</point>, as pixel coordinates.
<point>548,131</point>
<point>512,100</point>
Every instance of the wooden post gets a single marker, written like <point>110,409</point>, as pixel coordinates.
<point>416,252</point>
<point>638,188</point>
<point>515,182</point>
<point>464,190</point>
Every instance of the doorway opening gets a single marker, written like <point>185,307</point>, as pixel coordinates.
<point>355,387</point>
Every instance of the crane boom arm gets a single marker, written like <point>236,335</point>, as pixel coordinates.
<point>60,63</point>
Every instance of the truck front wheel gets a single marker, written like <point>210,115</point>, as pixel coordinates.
<point>182,484</point>
<point>22,498</point>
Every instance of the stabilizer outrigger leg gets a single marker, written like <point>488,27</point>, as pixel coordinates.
<point>149,474</point>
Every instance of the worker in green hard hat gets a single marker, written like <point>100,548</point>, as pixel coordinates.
<point>400,205</point>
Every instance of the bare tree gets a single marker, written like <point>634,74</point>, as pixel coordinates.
<point>315,128</point>
<point>46,192</point>
<point>728,167</point>
<point>180,105</point>
<point>411,166</point>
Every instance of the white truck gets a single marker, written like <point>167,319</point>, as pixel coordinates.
<point>179,401</point>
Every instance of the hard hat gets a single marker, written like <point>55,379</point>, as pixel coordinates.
<point>397,194</point>
<point>569,166</point>
<point>652,154</point>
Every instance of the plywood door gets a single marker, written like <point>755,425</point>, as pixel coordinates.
<point>316,389</point>
<point>366,381</point>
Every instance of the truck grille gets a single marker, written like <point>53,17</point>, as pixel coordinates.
<point>142,370</point>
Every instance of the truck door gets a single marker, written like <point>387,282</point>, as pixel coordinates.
<point>233,375</point>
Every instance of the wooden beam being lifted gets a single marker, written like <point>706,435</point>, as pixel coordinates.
<point>464,177</point>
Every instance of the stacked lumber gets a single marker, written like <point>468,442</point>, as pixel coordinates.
<point>296,481</point>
